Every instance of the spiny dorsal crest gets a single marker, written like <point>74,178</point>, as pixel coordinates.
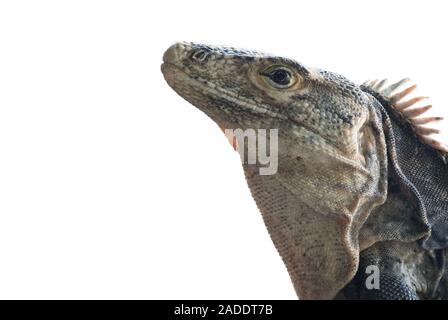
<point>406,108</point>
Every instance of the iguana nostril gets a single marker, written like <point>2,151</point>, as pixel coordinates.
<point>199,55</point>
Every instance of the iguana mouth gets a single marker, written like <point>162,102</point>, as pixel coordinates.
<point>217,93</point>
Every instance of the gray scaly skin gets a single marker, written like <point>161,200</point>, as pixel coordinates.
<point>342,198</point>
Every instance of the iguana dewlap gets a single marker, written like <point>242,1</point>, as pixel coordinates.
<point>360,180</point>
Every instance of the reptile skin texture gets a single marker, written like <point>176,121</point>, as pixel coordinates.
<point>359,185</point>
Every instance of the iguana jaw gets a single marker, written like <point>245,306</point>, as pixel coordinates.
<point>210,97</point>
<point>204,85</point>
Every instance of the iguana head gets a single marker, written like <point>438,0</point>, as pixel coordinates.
<point>331,152</point>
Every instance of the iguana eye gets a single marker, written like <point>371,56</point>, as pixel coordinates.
<point>279,77</point>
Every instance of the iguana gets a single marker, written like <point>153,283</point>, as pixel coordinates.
<point>360,180</point>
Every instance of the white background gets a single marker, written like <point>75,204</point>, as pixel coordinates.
<point>112,186</point>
